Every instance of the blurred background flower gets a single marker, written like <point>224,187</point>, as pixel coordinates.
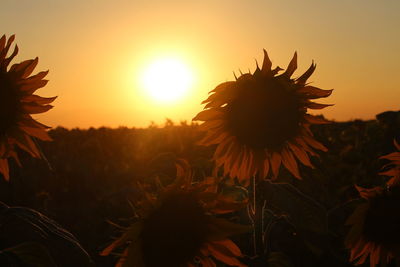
<point>176,227</point>
<point>394,166</point>
<point>374,225</point>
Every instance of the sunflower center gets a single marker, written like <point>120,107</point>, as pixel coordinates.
<point>9,104</point>
<point>266,112</point>
<point>383,219</point>
<point>174,232</point>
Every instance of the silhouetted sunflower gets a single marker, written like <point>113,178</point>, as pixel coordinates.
<point>375,226</point>
<point>260,121</point>
<point>394,166</point>
<point>17,103</point>
<point>177,229</point>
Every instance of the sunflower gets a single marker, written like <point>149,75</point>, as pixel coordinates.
<point>394,171</point>
<point>260,121</point>
<point>375,227</point>
<point>17,103</point>
<point>176,229</point>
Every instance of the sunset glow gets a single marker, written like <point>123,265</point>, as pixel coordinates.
<point>121,51</point>
<point>167,79</point>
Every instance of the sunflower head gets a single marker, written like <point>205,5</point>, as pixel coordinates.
<point>177,228</point>
<point>393,170</point>
<point>375,226</point>
<point>260,120</point>
<point>17,103</point>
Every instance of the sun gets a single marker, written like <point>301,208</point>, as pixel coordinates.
<point>167,79</point>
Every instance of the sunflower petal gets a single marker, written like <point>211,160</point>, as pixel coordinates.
<point>25,68</point>
<point>2,43</point>
<point>223,147</point>
<point>223,254</point>
<point>275,161</point>
<point>33,108</point>
<point>368,193</point>
<point>315,120</point>
<point>314,143</point>
<point>2,149</point>
<point>236,165</point>
<point>301,155</point>
<point>4,48</point>
<point>394,156</point>
<point>249,164</point>
<point>216,103</point>
<point>30,87</point>
<point>267,64</point>
<point>292,66</point>
<point>209,125</point>
<point>231,155</point>
<point>207,262</point>
<point>38,99</point>
<point>7,61</point>
<point>4,169</point>
<point>35,78</point>
<point>131,235</point>
<point>25,142</point>
<point>266,168</point>
<point>303,78</point>
<point>290,163</point>
<point>232,247</point>
<point>314,92</point>
<point>10,41</point>
<point>225,205</point>
<point>305,146</point>
<point>14,155</point>
<point>396,144</point>
<point>36,132</point>
<point>391,172</point>
<point>222,86</point>
<point>242,169</point>
<point>313,105</point>
<point>215,137</point>
<point>28,121</point>
<point>209,114</point>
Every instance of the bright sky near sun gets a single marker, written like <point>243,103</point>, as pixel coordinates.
<point>107,58</point>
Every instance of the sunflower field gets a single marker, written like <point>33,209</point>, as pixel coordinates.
<point>92,175</point>
<point>254,180</point>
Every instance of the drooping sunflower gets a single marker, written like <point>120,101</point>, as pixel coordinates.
<point>375,227</point>
<point>260,121</point>
<point>177,229</point>
<point>17,103</point>
<point>394,166</point>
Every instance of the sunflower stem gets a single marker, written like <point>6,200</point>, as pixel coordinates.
<point>256,216</point>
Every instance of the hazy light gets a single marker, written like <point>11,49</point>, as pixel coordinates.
<point>167,79</point>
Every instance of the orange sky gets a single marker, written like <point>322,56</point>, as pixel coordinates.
<point>95,50</point>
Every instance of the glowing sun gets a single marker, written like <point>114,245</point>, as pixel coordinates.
<point>167,80</point>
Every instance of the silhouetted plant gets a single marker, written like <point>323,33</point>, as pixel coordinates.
<point>260,121</point>
<point>175,227</point>
<point>17,103</point>
<point>374,232</point>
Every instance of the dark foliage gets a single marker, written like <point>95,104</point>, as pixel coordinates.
<point>89,177</point>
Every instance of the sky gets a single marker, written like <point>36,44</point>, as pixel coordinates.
<point>96,51</point>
